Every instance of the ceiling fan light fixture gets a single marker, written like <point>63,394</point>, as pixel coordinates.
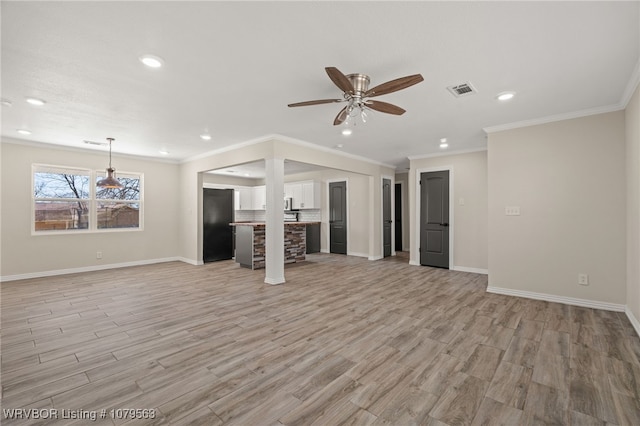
<point>110,181</point>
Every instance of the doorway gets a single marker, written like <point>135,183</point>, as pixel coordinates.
<point>398,215</point>
<point>434,219</point>
<point>386,217</point>
<point>338,217</point>
<point>217,234</point>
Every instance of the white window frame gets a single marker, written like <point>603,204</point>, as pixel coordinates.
<point>92,201</point>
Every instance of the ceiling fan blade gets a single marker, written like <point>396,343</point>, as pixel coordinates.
<point>385,107</point>
<point>342,115</point>
<point>340,80</point>
<point>394,85</point>
<point>316,102</point>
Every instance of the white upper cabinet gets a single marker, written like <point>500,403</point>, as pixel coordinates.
<point>259,197</point>
<point>243,197</point>
<point>306,194</point>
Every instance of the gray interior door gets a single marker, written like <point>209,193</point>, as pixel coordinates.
<point>434,219</point>
<point>338,217</point>
<point>386,217</point>
<point>398,211</point>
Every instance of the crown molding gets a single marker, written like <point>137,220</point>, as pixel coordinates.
<point>57,147</point>
<point>553,118</point>
<point>634,81</point>
<point>446,154</point>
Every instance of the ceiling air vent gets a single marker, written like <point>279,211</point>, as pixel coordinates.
<point>95,143</point>
<point>462,89</point>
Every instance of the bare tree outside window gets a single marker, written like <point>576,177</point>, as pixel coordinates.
<point>61,200</point>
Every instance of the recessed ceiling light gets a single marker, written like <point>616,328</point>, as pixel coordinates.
<point>247,174</point>
<point>347,132</point>
<point>164,152</point>
<point>35,101</point>
<point>339,146</point>
<point>6,102</point>
<point>23,131</point>
<point>205,136</point>
<point>151,61</point>
<point>443,140</point>
<point>443,143</point>
<point>505,96</point>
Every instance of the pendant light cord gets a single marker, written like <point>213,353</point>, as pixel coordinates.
<point>110,140</point>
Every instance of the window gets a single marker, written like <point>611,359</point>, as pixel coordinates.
<point>67,199</point>
<point>119,208</point>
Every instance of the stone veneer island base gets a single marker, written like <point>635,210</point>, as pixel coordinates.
<point>250,243</point>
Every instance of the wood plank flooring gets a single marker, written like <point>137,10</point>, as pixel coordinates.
<point>344,341</point>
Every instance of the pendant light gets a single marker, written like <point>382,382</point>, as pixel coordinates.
<point>110,181</point>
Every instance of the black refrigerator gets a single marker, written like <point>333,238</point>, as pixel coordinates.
<point>217,238</point>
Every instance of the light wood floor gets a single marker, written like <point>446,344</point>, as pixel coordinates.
<point>345,340</point>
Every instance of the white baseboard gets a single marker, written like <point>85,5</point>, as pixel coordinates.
<point>634,321</point>
<point>275,281</point>
<point>558,299</point>
<point>375,257</point>
<point>191,261</point>
<point>88,269</point>
<point>355,253</point>
<point>324,250</point>
<point>473,270</point>
<point>414,263</point>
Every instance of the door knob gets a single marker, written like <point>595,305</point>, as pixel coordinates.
<point>444,224</point>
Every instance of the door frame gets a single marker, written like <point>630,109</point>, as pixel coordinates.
<point>327,234</point>
<point>402,212</point>
<point>392,200</point>
<point>416,239</point>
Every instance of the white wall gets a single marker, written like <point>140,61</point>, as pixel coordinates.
<point>632,132</point>
<point>23,253</point>
<point>568,178</point>
<point>469,180</point>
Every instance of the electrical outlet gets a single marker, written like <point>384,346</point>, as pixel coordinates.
<point>512,211</point>
<point>583,279</point>
<point>98,255</point>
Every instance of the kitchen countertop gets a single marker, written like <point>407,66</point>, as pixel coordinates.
<point>263,224</point>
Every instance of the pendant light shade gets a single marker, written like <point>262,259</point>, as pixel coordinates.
<point>110,181</point>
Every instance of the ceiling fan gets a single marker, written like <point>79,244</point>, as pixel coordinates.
<point>356,93</point>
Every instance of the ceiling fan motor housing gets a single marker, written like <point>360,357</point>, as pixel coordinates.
<point>360,83</point>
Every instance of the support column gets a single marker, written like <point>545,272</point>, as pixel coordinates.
<point>274,221</point>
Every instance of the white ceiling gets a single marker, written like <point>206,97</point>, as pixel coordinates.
<point>231,68</point>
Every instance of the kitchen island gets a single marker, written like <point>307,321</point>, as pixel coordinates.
<point>250,243</point>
